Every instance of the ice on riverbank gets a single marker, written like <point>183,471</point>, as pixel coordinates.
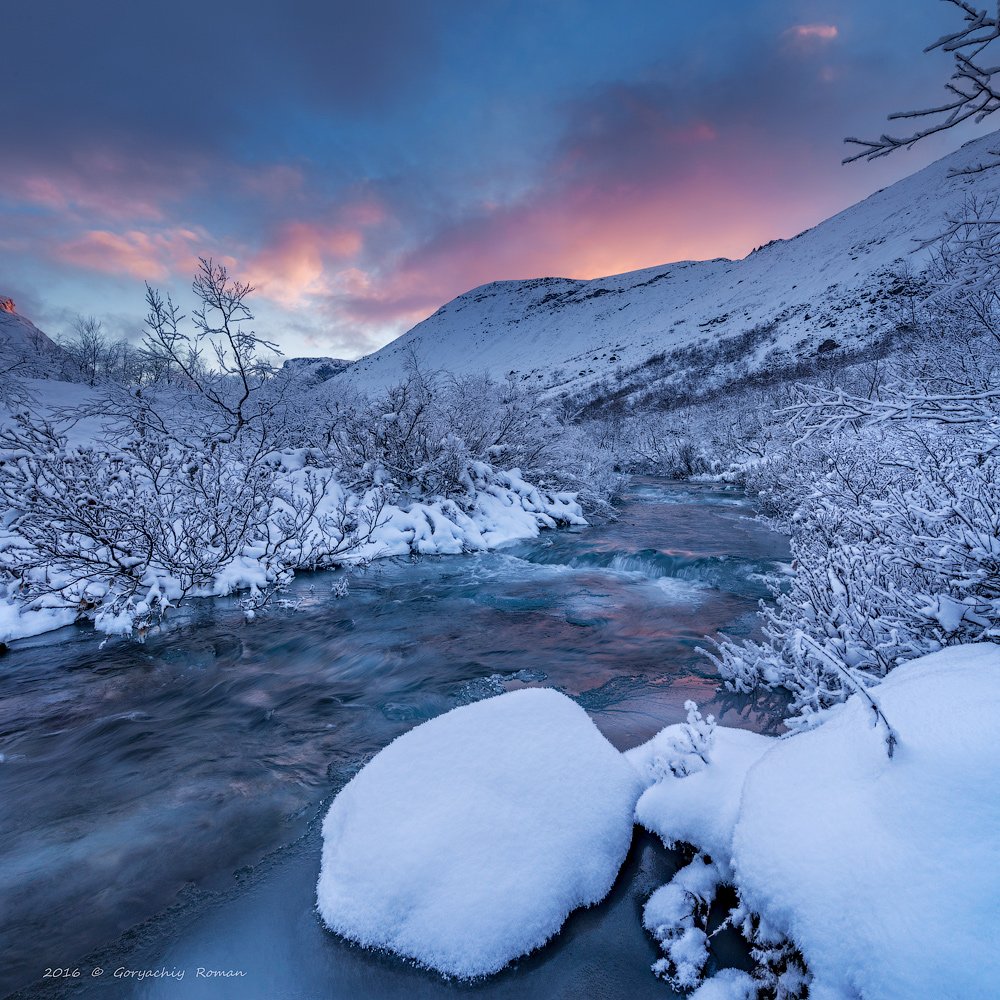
<point>467,842</point>
<point>884,873</point>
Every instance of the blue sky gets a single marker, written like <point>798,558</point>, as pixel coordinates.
<point>363,163</point>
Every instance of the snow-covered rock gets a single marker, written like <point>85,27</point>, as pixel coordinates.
<point>314,371</point>
<point>885,873</point>
<point>467,841</point>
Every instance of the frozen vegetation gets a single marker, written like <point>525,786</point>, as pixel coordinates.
<point>203,470</point>
<point>858,875</point>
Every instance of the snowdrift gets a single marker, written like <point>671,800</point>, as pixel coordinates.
<point>884,873</point>
<point>467,841</point>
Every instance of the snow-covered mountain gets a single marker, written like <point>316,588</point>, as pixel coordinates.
<point>22,341</point>
<point>834,288</point>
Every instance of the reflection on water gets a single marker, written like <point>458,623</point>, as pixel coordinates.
<point>138,777</point>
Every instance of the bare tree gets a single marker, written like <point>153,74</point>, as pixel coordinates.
<point>220,360</point>
<point>972,92</point>
<point>88,347</point>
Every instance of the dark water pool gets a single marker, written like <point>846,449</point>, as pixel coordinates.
<point>159,804</point>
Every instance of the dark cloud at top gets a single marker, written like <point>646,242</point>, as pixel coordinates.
<point>199,74</point>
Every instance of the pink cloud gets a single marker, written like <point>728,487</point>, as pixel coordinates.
<point>69,192</point>
<point>812,32</point>
<point>104,187</point>
<point>293,267</point>
<point>150,256</point>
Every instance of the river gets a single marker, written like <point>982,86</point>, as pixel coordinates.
<point>159,803</point>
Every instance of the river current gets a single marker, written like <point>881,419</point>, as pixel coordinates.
<point>160,803</point>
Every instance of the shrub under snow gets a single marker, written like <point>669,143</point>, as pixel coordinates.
<point>892,501</point>
<point>907,564</point>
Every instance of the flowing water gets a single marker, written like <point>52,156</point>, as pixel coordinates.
<point>159,804</point>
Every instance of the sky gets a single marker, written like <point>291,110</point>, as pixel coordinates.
<point>363,163</point>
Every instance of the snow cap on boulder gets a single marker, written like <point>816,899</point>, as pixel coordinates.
<point>467,841</point>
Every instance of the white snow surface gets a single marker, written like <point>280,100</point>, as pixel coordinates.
<point>466,842</point>
<point>703,807</point>
<point>16,623</point>
<point>728,984</point>
<point>885,873</point>
<point>831,282</point>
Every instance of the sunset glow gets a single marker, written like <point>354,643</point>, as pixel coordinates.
<point>368,175</point>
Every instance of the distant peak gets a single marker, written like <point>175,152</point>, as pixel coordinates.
<point>6,305</point>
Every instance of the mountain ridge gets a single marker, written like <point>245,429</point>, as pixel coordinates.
<point>830,288</point>
<point>23,343</point>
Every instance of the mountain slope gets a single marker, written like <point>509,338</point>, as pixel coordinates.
<point>832,288</point>
<point>23,344</point>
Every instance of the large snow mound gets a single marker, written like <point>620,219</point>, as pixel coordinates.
<point>467,841</point>
<point>885,873</point>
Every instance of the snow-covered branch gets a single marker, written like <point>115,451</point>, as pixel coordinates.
<point>972,92</point>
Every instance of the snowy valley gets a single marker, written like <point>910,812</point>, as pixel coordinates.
<point>709,550</point>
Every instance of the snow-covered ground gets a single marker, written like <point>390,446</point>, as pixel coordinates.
<point>834,283</point>
<point>885,873</point>
<point>466,842</point>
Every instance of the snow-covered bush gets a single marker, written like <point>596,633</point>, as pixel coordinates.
<point>893,506</point>
<point>677,917</point>
<point>90,355</point>
<point>403,440</point>
<point>127,531</point>
<point>425,436</point>
<point>222,474</point>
